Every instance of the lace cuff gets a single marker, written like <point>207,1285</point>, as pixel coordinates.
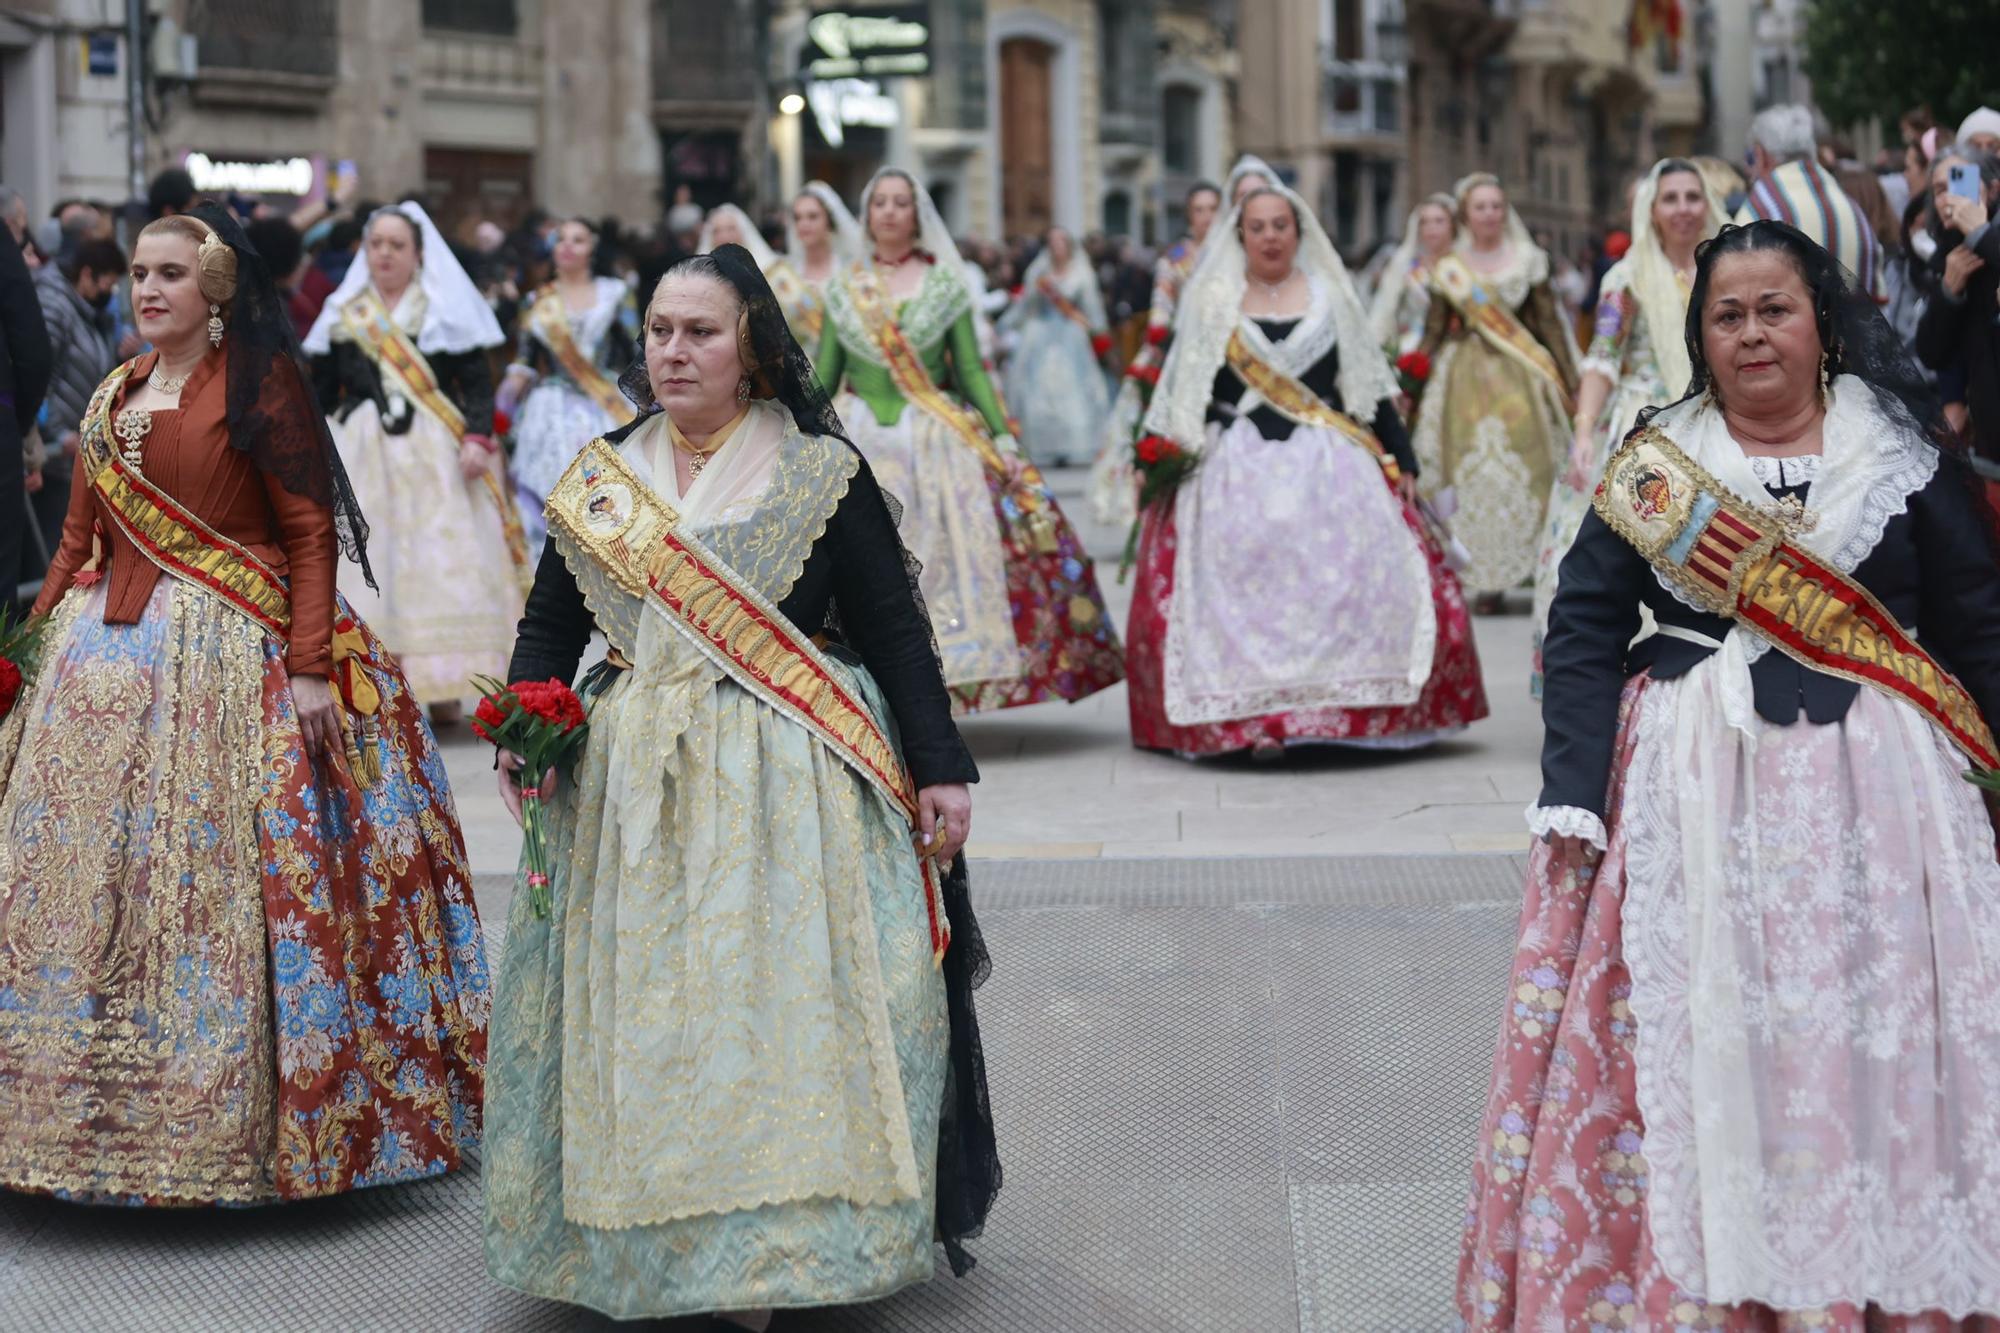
<point>1567,821</point>
<point>1603,365</point>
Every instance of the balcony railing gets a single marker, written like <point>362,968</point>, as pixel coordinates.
<point>1363,97</point>
<point>273,38</point>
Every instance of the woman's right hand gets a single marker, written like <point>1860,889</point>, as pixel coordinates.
<point>510,790</point>
<point>1581,447</point>
<point>1573,854</point>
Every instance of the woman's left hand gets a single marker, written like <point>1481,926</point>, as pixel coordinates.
<point>944,818</point>
<point>319,717</point>
<point>473,458</point>
<point>1406,486</point>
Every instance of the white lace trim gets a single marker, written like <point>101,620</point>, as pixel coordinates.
<point>1802,470</point>
<point>925,318</point>
<point>1567,821</point>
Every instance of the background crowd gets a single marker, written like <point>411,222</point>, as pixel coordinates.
<point>1928,255</point>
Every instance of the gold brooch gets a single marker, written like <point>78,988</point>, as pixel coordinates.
<point>131,427</point>
<point>1791,514</point>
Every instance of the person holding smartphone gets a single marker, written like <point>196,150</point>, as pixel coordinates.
<point>1957,330</point>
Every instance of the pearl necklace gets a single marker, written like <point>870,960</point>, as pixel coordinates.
<point>1273,289</point>
<point>167,385</point>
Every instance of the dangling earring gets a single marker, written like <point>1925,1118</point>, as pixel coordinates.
<point>1825,380</point>
<point>214,324</point>
<point>743,390</point>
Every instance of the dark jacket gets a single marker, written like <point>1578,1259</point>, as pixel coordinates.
<point>24,378</point>
<point>854,579</point>
<point>1323,378</point>
<point>1933,569</point>
<point>344,378</point>
<point>1965,333</point>
<point>83,345</point>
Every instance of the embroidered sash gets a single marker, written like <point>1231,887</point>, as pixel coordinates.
<point>1300,404</point>
<point>1053,294</point>
<point>1738,561</point>
<point>1021,478</point>
<point>383,342</point>
<point>549,319</point>
<point>602,509</point>
<point>1488,316</point>
<point>174,538</point>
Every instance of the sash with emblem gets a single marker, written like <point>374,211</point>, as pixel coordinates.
<point>1488,316</point>
<point>639,558</point>
<point>174,538</point>
<point>1297,403</point>
<point>375,331</point>
<point>1737,560</point>
<point>1020,477</point>
<point>549,319</point>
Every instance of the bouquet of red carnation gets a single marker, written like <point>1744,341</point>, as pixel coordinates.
<point>1142,373</point>
<point>1157,335</point>
<point>544,724</point>
<point>1412,369</point>
<point>1162,466</point>
<point>19,643</point>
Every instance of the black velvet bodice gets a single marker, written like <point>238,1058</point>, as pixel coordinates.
<point>1933,569</point>
<point>1323,378</point>
<point>344,378</point>
<point>855,577</point>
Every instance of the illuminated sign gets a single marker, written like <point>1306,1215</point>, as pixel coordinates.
<point>838,103</point>
<point>293,176</point>
<point>882,41</point>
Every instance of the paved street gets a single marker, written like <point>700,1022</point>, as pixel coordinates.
<point>1238,1028</point>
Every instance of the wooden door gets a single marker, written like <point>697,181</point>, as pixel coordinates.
<point>468,185</point>
<point>1027,142</point>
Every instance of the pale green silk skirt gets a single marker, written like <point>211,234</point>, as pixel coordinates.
<point>716,1069</point>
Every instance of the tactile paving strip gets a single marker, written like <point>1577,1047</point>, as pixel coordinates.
<point>1231,1094</point>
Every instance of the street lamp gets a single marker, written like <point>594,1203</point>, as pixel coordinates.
<point>791,104</point>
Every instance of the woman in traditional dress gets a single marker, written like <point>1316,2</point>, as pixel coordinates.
<point>1747,1071</point>
<point>1054,375</point>
<point>1493,418</point>
<point>1251,172</point>
<point>399,360</point>
<point>237,936</point>
<point>736,1068</point>
<point>1403,296</point>
<point>578,334</point>
<point>1114,490</point>
<point>821,236</point>
<point>1638,355</point>
<point>1012,595</point>
<point>729,225</point>
<point>1288,592</point>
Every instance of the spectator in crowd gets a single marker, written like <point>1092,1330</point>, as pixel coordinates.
<point>278,243</point>
<point>1958,328</point>
<point>172,191</point>
<point>1793,187</point>
<point>24,377</point>
<point>1980,131</point>
<point>14,212</point>
<point>75,298</point>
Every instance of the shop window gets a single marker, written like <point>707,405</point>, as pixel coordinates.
<point>495,18</point>
<point>272,36</point>
<point>1180,126</point>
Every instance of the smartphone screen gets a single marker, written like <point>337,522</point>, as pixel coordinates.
<point>1964,180</point>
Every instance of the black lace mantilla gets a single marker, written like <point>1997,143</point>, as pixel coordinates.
<point>272,414</point>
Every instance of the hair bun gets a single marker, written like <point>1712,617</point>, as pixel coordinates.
<point>215,269</point>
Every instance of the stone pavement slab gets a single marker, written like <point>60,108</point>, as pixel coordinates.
<point>1231,1094</point>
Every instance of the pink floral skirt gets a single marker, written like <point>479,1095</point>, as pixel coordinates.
<point>1556,1229</point>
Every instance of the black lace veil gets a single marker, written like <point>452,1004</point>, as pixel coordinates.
<point>272,414</point>
<point>968,1158</point>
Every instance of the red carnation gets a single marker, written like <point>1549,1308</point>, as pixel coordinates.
<point>1157,335</point>
<point>502,421</point>
<point>486,719</point>
<point>1414,364</point>
<point>1100,343</point>
<point>1143,373</point>
<point>10,686</point>
<point>1156,449</point>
